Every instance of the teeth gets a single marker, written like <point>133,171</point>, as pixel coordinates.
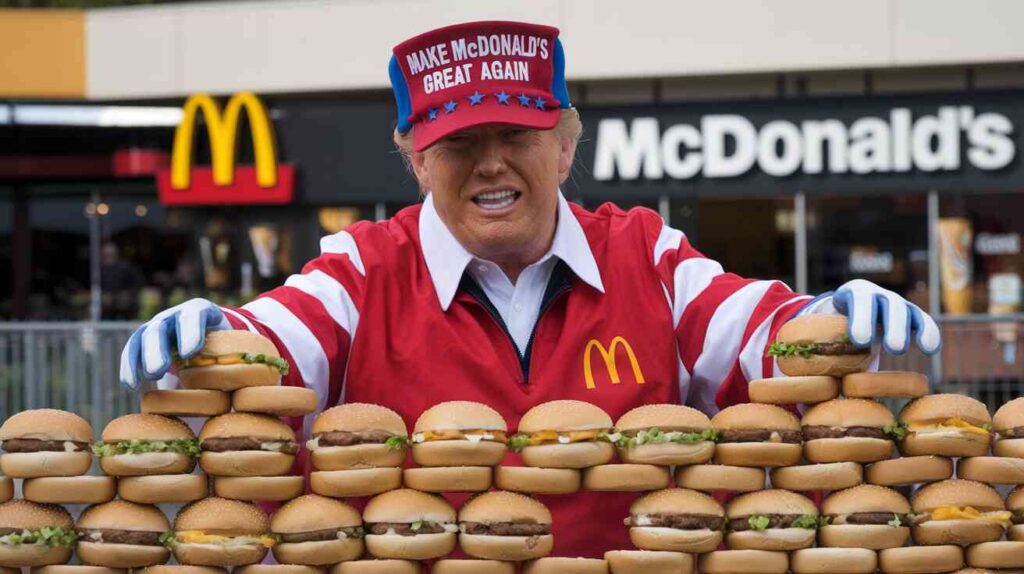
<point>496,199</point>
<point>496,195</point>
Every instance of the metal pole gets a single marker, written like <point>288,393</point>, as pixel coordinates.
<point>380,211</point>
<point>664,209</point>
<point>934,286</point>
<point>95,291</point>
<point>800,236</point>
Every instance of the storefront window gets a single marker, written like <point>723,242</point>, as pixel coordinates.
<point>59,284</point>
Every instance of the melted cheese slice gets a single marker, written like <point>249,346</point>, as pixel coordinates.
<point>948,424</point>
<point>970,513</point>
<point>427,436</point>
<point>200,537</point>
<point>562,437</point>
<point>201,361</point>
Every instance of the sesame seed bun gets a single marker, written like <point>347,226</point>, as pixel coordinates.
<point>226,517</point>
<point>675,501</point>
<point>864,498</point>
<point>770,502</point>
<point>844,413</point>
<point>666,417</point>
<point>564,415</point>
<point>460,415</point>
<point>311,513</point>
<point>146,427</point>
<point>947,441</point>
<point>956,493</point>
<point>819,329</point>
<point>754,416</point>
<point>46,424</point>
<point>500,506</point>
<point>234,376</point>
<point>122,515</point>
<point>32,516</point>
<point>408,506</point>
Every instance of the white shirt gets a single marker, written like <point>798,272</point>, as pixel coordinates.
<point>519,303</point>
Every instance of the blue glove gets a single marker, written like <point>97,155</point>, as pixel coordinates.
<point>147,354</point>
<point>867,304</point>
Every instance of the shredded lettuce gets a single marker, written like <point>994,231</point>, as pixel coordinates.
<point>51,536</point>
<point>896,429</point>
<point>895,522</point>
<point>188,447</point>
<point>518,441</point>
<point>657,436</point>
<point>780,349</point>
<point>758,522</point>
<point>809,521</point>
<point>397,442</point>
<point>276,362</point>
<point>357,532</point>
<point>169,539</point>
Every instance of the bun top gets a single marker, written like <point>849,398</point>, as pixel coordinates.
<point>31,516</point>
<point>502,506</point>
<point>222,516</point>
<point>937,408</point>
<point>676,501</point>
<point>1010,415</point>
<point>773,501</point>
<point>46,424</point>
<point>755,416</point>
<point>1015,500</point>
<point>957,492</point>
<point>849,413</point>
<point>666,417</point>
<point>353,417</point>
<point>407,506</point>
<point>146,427</point>
<point>814,329</point>
<point>865,498</point>
<point>460,415</point>
<point>313,512</point>
<point>234,342</point>
<point>124,515</point>
<point>247,425</point>
<point>564,415</point>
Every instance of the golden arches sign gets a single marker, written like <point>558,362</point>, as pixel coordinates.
<point>608,354</point>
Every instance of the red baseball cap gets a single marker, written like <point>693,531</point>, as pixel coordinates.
<point>478,73</point>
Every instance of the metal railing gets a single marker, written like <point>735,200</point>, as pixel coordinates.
<point>74,365</point>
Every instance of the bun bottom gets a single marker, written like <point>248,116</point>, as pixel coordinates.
<point>70,489</point>
<point>891,384</point>
<point>537,480</point>
<point>181,569</point>
<point>67,569</point>
<point>824,365</point>
<point>1009,447</point>
<point>276,400</point>
<point>870,536</point>
<point>469,566</point>
<point>1016,532</point>
<point>743,562</point>
<point>147,463</point>
<point>31,555</point>
<point>771,539</point>
<point>849,449</point>
<point>648,562</point>
<point>625,478</point>
<point>758,454</point>
<point>371,566</point>
<point>668,454</point>
<point>716,477</point>
<point>355,482</point>
<point>186,403</point>
<point>920,559</point>
<point>259,488</point>
<point>511,548</point>
<point>278,569</point>
<point>833,561</point>
<point>246,463</point>
<point>165,488</point>
<point>825,476</point>
<point>458,453</point>
<point>566,566</point>
<point>909,470</point>
<point>357,456</point>
<point>448,478</point>
<point>961,532</point>
<point>418,547</point>
<point>952,443</point>
<point>577,455</point>
<point>674,539</point>
<point>229,377</point>
<point>793,390</point>
<point>121,555</point>
<point>991,469</point>
<point>996,555</point>
<point>40,464</point>
<point>214,555</point>
<point>6,488</point>
<point>322,553</point>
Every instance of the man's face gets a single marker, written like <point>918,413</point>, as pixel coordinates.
<point>496,187</point>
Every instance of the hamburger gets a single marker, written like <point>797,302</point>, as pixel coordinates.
<point>920,559</point>
<point>891,384</point>
<point>793,390</point>
<point>243,444</point>
<point>371,566</point>
<point>818,345</point>
<point>1002,554</point>
<point>456,443</point>
<point>865,516</point>
<point>34,534</point>
<point>317,531</point>
<point>909,470</point>
<point>771,520</point>
<point>720,477</point>
<point>410,525</point>
<point>743,561</point>
<point>276,400</point>
<point>220,532</point>
<point>503,525</point>
<point>676,519</point>
<point>946,425</point>
<point>564,434</point>
<point>1015,504</point>
<point>752,434</point>
<point>1008,424</point>
<point>143,444</point>
<point>648,562</point>
<point>566,566</point>
<point>120,534</point>
<point>664,435</point>
<point>186,402</point>
<point>825,476</point>
<point>849,430</point>
<point>69,489</point>
<point>231,360</point>
<point>160,489</point>
<point>45,442</point>
<point>469,566</point>
<point>357,449</point>
<point>958,512</point>
<point>833,561</point>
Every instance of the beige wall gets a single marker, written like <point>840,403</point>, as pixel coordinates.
<point>42,53</point>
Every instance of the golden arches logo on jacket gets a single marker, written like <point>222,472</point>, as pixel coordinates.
<point>224,182</point>
<point>608,355</point>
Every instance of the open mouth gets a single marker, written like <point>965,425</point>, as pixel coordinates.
<point>495,200</point>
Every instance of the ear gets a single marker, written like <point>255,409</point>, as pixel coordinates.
<point>419,167</point>
<point>566,155</point>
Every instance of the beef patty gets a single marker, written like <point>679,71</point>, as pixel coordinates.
<point>110,536</point>
<point>506,528</point>
<point>761,435</point>
<point>815,432</point>
<point>35,445</point>
<point>349,438</point>
<point>404,529</point>
<point>679,521</point>
<point>741,523</point>
<point>320,535</point>
<point>243,443</point>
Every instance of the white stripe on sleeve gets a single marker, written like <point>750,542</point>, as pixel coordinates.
<point>669,239</point>
<point>332,294</point>
<point>343,243</point>
<point>690,278</point>
<point>752,355</point>
<point>245,320</point>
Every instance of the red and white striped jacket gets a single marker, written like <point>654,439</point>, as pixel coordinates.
<point>362,323</point>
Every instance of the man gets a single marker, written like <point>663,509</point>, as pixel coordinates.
<point>494,288</point>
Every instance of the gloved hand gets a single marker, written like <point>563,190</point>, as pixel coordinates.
<point>867,304</point>
<point>147,354</point>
